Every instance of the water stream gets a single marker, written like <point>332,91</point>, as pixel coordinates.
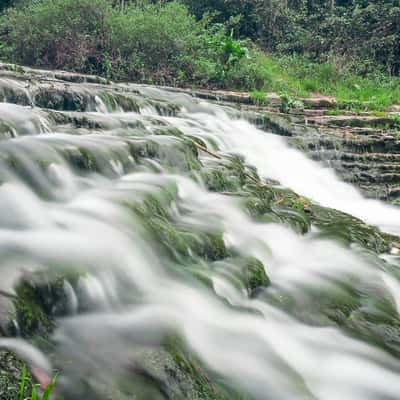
<point>72,203</point>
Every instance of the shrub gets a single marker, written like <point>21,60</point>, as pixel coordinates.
<point>154,43</point>
<point>250,73</point>
<point>57,34</point>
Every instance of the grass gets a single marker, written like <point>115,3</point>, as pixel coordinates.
<point>296,76</point>
<point>259,97</point>
<point>34,392</point>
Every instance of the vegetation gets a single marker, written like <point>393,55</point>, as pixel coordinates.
<point>25,383</point>
<point>349,49</point>
<point>364,33</point>
<point>297,76</point>
<point>155,43</point>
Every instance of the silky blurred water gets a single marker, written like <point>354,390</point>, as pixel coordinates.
<point>56,219</point>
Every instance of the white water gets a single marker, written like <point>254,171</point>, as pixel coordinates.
<point>274,159</point>
<point>136,295</point>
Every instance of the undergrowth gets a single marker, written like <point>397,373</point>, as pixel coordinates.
<point>162,43</point>
<point>297,76</point>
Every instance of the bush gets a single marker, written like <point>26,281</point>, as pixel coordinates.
<point>155,43</point>
<point>57,34</point>
<point>364,33</point>
<point>250,73</point>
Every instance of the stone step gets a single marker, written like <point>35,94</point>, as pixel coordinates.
<point>381,192</point>
<point>367,158</point>
<point>353,121</point>
<point>319,102</point>
<point>26,73</point>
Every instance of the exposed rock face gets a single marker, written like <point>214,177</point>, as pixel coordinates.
<point>363,153</point>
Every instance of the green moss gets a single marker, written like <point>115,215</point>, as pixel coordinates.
<point>211,246</point>
<point>127,103</point>
<point>81,159</point>
<point>255,275</point>
<point>30,315</point>
<point>347,229</point>
<point>169,131</point>
<point>207,386</point>
<point>36,304</point>
<point>179,243</point>
<point>109,101</point>
<point>165,108</point>
<point>215,180</point>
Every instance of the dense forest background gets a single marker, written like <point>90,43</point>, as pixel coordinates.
<point>363,33</point>
<point>294,46</point>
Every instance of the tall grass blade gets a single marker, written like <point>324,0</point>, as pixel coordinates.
<point>33,394</point>
<point>49,389</point>
<point>23,384</point>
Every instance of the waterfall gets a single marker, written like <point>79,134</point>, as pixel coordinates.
<point>136,235</point>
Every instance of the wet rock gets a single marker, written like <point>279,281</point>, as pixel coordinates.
<point>63,100</point>
<point>15,92</point>
<point>319,102</point>
<point>354,121</point>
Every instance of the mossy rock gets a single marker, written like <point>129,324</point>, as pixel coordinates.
<point>203,384</point>
<point>37,303</point>
<point>255,276</point>
<point>63,100</point>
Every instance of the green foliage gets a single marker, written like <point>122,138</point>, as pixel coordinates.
<point>298,76</point>
<point>250,72</point>
<point>364,34</point>
<point>258,97</point>
<point>25,382</point>
<point>289,103</point>
<point>396,119</point>
<point>163,43</point>
<point>154,43</point>
<point>232,50</point>
<point>49,389</point>
<point>57,34</point>
<point>372,92</point>
<point>158,43</point>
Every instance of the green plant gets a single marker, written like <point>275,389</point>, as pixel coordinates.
<point>33,392</point>
<point>24,378</point>
<point>233,50</point>
<point>333,111</point>
<point>162,43</point>
<point>396,119</point>
<point>258,97</point>
<point>289,103</point>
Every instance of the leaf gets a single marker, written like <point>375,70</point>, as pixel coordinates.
<point>48,391</point>
<point>23,384</point>
<point>33,394</point>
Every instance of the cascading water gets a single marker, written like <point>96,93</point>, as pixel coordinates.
<point>116,204</point>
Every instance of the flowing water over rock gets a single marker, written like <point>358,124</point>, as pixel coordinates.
<point>155,245</point>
